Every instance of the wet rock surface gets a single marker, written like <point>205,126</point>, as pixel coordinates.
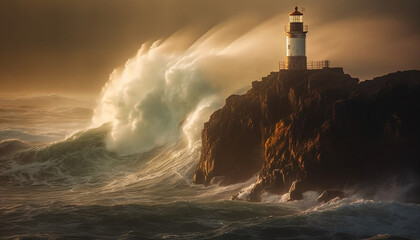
<point>322,129</point>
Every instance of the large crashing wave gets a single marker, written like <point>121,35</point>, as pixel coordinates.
<point>151,113</point>
<point>169,89</point>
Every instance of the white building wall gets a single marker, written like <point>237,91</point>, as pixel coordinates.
<point>295,46</point>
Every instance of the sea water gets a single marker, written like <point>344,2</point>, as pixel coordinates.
<point>76,189</point>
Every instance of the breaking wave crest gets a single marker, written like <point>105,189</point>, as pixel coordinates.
<point>170,87</point>
<point>146,126</point>
<point>76,158</point>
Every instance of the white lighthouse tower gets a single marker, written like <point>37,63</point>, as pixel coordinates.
<point>296,42</point>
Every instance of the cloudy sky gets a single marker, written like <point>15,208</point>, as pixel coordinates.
<point>71,46</point>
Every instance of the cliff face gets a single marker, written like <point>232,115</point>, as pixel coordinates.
<point>321,128</point>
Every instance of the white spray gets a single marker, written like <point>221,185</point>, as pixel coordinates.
<point>170,88</point>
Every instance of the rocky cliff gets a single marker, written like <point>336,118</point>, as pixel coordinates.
<point>319,129</point>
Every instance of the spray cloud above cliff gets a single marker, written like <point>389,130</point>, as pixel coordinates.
<point>169,89</point>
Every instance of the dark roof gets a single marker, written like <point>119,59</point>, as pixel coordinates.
<point>296,12</point>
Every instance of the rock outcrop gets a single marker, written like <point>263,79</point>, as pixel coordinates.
<point>321,128</point>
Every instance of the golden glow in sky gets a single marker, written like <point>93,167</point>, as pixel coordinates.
<point>71,47</point>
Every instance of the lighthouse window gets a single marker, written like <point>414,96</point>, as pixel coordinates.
<point>296,18</point>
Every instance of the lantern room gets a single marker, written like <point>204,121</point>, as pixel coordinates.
<point>296,16</point>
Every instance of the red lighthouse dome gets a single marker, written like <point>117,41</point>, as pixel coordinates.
<point>296,12</point>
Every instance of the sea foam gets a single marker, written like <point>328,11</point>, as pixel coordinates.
<point>170,87</point>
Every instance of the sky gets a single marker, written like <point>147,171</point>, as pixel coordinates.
<point>72,46</point>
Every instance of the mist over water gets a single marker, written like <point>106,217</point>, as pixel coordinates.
<point>42,118</point>
<point>170,88</point>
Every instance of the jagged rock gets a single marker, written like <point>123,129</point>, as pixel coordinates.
<point>321,127</point>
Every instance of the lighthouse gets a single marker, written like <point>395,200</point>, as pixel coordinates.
<point>296,42</point>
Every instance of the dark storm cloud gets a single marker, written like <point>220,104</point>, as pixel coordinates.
<point>72,46</point>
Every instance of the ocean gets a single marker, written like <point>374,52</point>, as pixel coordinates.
<point>76,189</point>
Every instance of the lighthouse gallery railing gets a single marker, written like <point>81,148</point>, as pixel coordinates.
<point>287,28</point>
<point>311,65</point>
